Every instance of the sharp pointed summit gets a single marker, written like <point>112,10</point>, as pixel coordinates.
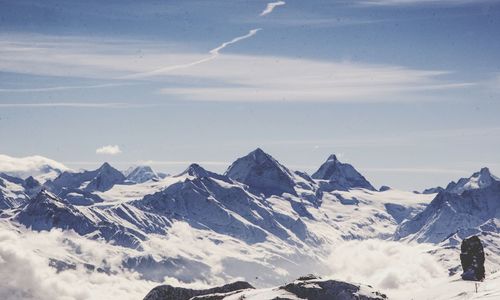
<point>106,178</point>
<point>341,175</point>
<point>261,172</point>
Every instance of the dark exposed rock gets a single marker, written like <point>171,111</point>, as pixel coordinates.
<point>168,292</point>
<point>314,288</point>
<point>472,259</point>
<point>308,287</point>
<point>384,188</point>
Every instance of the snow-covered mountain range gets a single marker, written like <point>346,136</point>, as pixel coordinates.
<point>259,221</point>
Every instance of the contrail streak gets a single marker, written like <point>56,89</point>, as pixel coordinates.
<point>270,7</point>
<point>213,54</point>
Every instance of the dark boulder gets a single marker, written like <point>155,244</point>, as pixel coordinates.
<point>168,292</point>
<point>472,259</point>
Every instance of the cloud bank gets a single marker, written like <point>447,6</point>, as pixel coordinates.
<point>25,272</point>
<point>109,150</point>
<point>30,165</point>
<point>386,265</point>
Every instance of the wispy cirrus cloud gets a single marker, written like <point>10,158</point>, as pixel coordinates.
<point>421,2</point>
<point>73,104</point>
<point>238,77</point>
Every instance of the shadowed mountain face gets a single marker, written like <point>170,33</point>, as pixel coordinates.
<point>262,173</point>
<point>341,176</point>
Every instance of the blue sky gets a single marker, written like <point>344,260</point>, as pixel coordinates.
<point>405,90</point>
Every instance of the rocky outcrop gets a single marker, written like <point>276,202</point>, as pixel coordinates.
<point>168,292</point>
<point>308,287</point>
<point>472,259</point>
<point>314,288</point>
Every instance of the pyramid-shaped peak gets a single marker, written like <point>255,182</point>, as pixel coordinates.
<point>105,166</point>
<point>262,172</point>
<point>259,155</point>
<point>195,170</point>
<point>109,169</point>
<point>342,175</point>
<point>332,157</point>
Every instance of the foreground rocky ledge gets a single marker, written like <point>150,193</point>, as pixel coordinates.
<point>308,287</point>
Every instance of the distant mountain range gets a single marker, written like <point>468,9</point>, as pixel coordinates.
<point>257,201</point>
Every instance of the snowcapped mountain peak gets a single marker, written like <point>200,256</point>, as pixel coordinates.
<point>141,174</point>
<point>341,175</point>
<point>195,170</point>
<point>332,157</point>
<point>259,154</point>
<point>106,177</point>
<point>261,172</point>
<point>101,179</point>
<point>478,180</point>
<point>105,166</point>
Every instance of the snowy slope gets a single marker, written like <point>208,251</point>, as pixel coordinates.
<point>15,192</point>
<point>468,207</point>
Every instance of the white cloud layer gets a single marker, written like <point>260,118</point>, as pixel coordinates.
<point>271,6</point>
<point>25,272</point>
<point>109,150</point>
<point>30,165</point>
<point>386,265</point>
